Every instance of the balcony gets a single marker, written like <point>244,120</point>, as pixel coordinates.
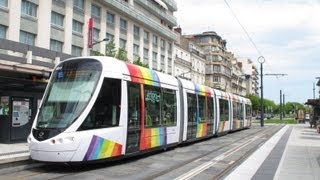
<point>131,12</point>
<point>183,62</point>
<point>171,20</point>
<point>172,5</point>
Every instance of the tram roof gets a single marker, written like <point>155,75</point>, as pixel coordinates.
<point>120,69</point>
<point>197,88</point>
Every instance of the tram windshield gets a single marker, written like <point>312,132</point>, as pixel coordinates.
<point>69,91</point>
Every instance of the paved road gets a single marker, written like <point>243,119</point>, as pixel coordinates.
<point>209,159</point>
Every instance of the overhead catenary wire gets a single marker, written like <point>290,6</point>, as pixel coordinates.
<point>243,28</point>
<point>246,32</point>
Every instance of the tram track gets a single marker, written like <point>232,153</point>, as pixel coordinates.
<point>266,134</point>
<point>38,170</point>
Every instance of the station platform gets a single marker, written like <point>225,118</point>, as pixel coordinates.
<point>292,153</point>
<point>10,153</point>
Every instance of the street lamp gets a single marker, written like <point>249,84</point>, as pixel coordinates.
<point>182,74</point>
<point>261,60</point>
<point>105,39</point>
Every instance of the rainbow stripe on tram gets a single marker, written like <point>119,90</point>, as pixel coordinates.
<point>202,130</point>
<point>153,137</point>
<point>101,148</point>
<point>143,75</point>
<point>202,90</point>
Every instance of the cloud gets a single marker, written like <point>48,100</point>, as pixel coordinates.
<point>287,32</point>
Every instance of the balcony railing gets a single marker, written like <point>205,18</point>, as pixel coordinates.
<point>171,4</point>
<point>183,62</point>
<point>130,11</point>
<point>163,15</point>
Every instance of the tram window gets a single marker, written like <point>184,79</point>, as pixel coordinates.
<point>133,104</point>
<point>240,110</point>
<point>224,110</point>
<point>202,108</point>
<point>169,108</point>
<point>192,108</point>
<point>210,109</point>
<point>248,111</point>
<point>106,110</point>
<point>152,101</point>
<point>235,110</point>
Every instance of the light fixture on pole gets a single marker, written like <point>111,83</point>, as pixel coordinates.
<point>105,39</point>
<point>261,60</point>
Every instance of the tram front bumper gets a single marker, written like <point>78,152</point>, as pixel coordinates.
<point>52,156</point>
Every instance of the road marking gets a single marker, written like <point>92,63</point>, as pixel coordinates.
<point>250,166</point>
<point>197,170</point>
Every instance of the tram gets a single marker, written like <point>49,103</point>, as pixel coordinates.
<point>100,108</point>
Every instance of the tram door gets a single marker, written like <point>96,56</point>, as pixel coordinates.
<point>134,117</point>
<point>21,118</point>
<point>192,116</point>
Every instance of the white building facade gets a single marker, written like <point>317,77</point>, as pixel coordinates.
<point>251,72</point>
<point>142,28</point>
<point>189,62</point>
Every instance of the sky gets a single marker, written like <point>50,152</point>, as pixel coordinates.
<point>286,32</point>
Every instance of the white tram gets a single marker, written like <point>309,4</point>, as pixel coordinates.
<point>99,108</point>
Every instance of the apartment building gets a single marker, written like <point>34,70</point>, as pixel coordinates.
<point>189,59</point>
<point>252,75</point>
<point>218,62</point>
<point>35,35</point>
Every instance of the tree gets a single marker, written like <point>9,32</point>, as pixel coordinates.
<point>122,54</point>
<point>268,105</point>
<point>255,101</point>
<point>111,49</point>
<point>96,53</point>
<point>139,63</point>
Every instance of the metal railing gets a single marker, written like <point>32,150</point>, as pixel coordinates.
<point>130,11</point>
<point>162,14</point>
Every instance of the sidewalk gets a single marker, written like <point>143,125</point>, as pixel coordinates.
<point>13,152</point>
<point>292,153</point>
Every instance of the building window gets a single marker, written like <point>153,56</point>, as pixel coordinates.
<point>135,49</point>
<point>163,44</point>
<point>27,38</point>
<point>155,41</point>
<point>122,43</point>
<point>146,37</point>
<point>170,48</point>
<point>110,19</point>
<point>4,3</point>
<point>78,4</point>
<point>77,26</point>
<point>216,79</point>
<point>59,3</point>
<point>56,45</point>
<point>154,60</point>
<point>169,65</point>
<point>110,37</point>
<point>123,26</point>
<point>29,8</point>
<point>145,53</point>
<point>76,51</point>
<point>162,62</point>
<point>3,31</point>
<point>216,68</point>
<point>136,32</point>
<point>95,33</point>
<point>95,11</point>
<point>57,19</point>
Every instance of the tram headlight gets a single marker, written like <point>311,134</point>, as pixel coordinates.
<point>64,140</point>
